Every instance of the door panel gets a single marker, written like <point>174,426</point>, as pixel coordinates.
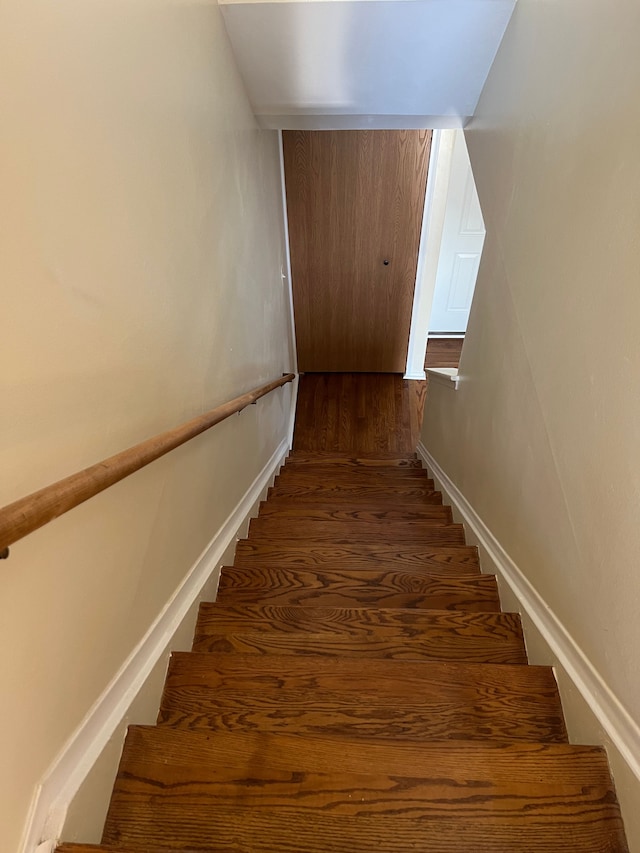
<point>461,247</point>
<point>355,200</point>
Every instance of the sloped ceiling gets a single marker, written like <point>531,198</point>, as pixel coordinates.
<point>315,64</point>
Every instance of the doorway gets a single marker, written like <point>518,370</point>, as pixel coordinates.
<point>450,250</point>
<point>463,236</point>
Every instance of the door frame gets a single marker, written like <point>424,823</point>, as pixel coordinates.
<point>435,205</point>
<point>285,274</point>
<point>436,192</point>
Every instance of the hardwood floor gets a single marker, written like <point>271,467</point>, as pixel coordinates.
<point>443,352</point>
<point>365,412</point>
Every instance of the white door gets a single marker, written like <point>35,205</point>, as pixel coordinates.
<point>461,248</point>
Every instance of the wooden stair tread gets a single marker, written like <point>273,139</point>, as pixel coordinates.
<point>349,461</point>
<point>314,455</point>
<point>365,555</point>
<point>391,679</point>
<point>358,587</point>
<point>134,847</point>
<point>433,635</point>
<point>346,454</point>
<point>353,620</point>
<point>587,823</point>
<point>74,847</point>
<point>462,762</point>
<point>497,793</point>
<point>349,491</point>
<point>380,475</point>
<point>310,695</point>
<point>427,532</point>
<point>362,512</point>
<point>482,650</point>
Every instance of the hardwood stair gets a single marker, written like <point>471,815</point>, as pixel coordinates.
<point>364,555</point>
<point>355,686</point>
<point>361,632</point>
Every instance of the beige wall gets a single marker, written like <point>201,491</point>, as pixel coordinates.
<point>543,435</point>
<point>140,255</point>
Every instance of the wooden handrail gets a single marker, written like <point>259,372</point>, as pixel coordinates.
<point>28,514</point>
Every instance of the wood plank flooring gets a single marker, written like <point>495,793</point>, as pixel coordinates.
<point>358,412</point>
<point>356,687</point>
<point>443,352</point>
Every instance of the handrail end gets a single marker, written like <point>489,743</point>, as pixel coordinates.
<point>4,554</point>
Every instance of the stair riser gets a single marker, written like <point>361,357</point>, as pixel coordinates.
<point>358,622</point>
<point>348,492</point>
<point>325,475</point>
<point>431,649</point>
<point>432,532</point>
<point>381,498</point>
<point>472,603</point>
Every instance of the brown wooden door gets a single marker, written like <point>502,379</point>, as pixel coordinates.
<point>355,200</point>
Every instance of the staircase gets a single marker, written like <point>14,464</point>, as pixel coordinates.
<point>356,688</point>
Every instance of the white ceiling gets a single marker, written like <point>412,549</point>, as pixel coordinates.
<point>365,63</point>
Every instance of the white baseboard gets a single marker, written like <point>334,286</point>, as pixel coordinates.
<point>415,374</point>
<point>614,719</point>
<point>64,777</point>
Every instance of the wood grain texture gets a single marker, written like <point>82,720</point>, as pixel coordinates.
<point>276,777</point>
<point>584,823</point>
<point>354,199</point>
<point>355,588</point>
<point>363,512</point>
<point>311,695</point>
<point>350,458</point>
<point>460,559</point>
<point>481,649</point>
<point>395,634</point>
<point>299,458</point>
<point>323,479</point>
<point>358,413</point>
<point>227,755</point>
<point>443,352</point>
<point>32,512</point>
<point>383,474</point>
<point>72,847</point>
<point>193,787</point>
<point>354,621</point>
<point>431,531</point>
<point>347,492</point>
